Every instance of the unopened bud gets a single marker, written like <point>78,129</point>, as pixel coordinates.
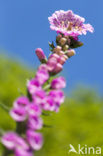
<point>71,53</point>
<point>58,68</point>
<point>57,49</point>
<point>58,37</point>
<point>62,60</point>
<point>61,53</point>
<point>40,54</point>
<point>65,57</point>
<point>63,41</point>
<point>66,47</point>
<point>54,56</point>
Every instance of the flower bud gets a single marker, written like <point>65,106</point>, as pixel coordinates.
<point>66,47</point>
<point>57,49</point>
<point>58,68</point>
<point>62,60</point>
<point>54,56</point>
<point>40,54</point>
<point>63,41</point>
<point>61,53</point>
<point>64,56</point>
<point>70,53</point>
<point>58,38</point>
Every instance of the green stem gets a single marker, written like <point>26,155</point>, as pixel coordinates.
<point>4,107</point>
<point>47,87</point>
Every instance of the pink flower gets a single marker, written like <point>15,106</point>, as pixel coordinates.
<point>68,23</point>
<point>57,96</point>
<point>18,114</point>
<point>8,140</point>
<point>22,152</point>
<point>40,54</point>
<point>21,102</point>
<point>34,109</point>
<point>58,83</point>
<point>35,122</point>
<point>12,141</point>
<point>43,67</point>
<point>33,85</point>
<point>42,76</point>
<point>48,104</point>
<point>35,139</point>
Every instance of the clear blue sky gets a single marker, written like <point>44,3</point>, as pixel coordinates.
<point>24,26</point>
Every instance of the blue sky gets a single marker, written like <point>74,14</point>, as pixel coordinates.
<point>24,26</point>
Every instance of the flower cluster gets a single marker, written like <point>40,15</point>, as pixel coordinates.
<point>30,109</point>
<point>43,92</point>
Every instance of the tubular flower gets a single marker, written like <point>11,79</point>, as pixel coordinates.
<point>68,23</point>
<point>58,83</point>
<point>35,139</point>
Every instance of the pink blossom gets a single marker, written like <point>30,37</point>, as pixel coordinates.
<point>33,85</point>
<point>8,140</point>
<point>57,96</point>
<point>22,152</point>
<point>18,114</point>
<point>35,122</point>
<point>21,102</point>
<point>35,139</point>
<point>48,104</point>
<point>12,141</point>
<point>68,23</point>
<point>42,76</point>
<point>34,109</point>
<point>58,83</point>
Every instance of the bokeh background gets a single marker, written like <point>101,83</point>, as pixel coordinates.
<point>24,26</point>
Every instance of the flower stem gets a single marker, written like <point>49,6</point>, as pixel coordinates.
<point>4,107</point>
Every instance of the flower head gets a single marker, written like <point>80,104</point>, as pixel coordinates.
<point>58,83</point>
<point>35,139</point>
<point>68,23</point>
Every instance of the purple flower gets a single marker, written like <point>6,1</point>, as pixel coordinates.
<point>22,152</point>
<point>68,23</point>
<point>8,140</point>
<point>21,102</point>
<point>58,83</point>
<point>40,54</point>
<point>18,114</point>
<point>42,76</point>
<point>34,109</point>
<point>43,67</point>
<point>35,139</point>
<point>48,104</point>
<point>57,97</point>
<point>33,85</point>
<point>12,141</point>
<point>35,122</point>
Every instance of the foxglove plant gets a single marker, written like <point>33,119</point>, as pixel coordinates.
<point>44,93</point>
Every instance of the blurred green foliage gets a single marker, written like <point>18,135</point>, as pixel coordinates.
<point>80,120</point>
